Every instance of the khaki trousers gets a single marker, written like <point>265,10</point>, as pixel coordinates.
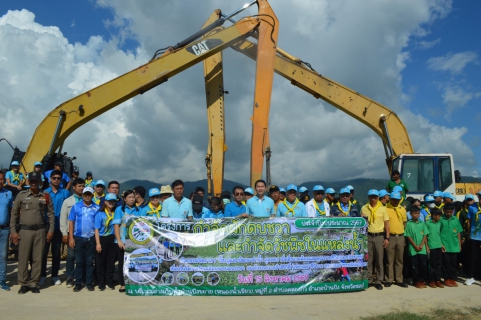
<point>375,264</point>
<point>31,244</point>
<point>395,253</point>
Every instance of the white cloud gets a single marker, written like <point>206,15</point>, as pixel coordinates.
<point>162,135</point>
<point>453,63</point>
<point>456,97</point>
<point>425,45</point>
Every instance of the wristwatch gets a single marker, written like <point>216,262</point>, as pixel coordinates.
<point>386,239</point>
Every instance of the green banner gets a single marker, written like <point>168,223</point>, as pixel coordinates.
<point>245,256</point>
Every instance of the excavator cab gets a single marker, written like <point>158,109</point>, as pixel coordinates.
<point>425,173</point>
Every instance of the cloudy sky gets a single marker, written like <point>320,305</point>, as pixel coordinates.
<point>421,58</point>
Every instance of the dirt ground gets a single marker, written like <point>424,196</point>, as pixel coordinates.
<point>56,302</point>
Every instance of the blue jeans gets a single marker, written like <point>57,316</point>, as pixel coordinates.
<point>4,234</point>
<point>84,256</point>
<point>70,263</point>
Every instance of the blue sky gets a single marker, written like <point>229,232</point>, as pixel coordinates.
<point>438,68</point>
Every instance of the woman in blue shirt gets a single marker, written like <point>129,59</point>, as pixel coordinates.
<point>105,237</point>
<point>120,224</point>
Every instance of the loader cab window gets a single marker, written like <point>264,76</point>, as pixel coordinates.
<point>418,174</point>
<point>395,165</point>
<point>445,173</point>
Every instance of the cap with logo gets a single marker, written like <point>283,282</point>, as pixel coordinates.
<point>318,188</point>
<point>110,196</point>
<point>373,192</point>
<point>344,190</point>
<point>291,187</point>
<point>37,164</point>
<point>88,189</point>
<point>429,199</point>
<point>89,173</point>
<point>249,190</point>
<point>154,192</point>
<point>350,188</point>
<point>35,176</point>
<point>302,189</point>
<point>330,191</point>
<point>282,190</point>
<point>446,194</point>
<point>383,193</point>
<point>396,196</point>
<point>438,193</point>
<point>166,189</point>
<point>397,189</point>
<point>100,183</point>
<point>274,189</point>
<point>15,163</point>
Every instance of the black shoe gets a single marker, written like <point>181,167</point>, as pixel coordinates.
<point>23,290</point>
<point>110,287</point>
<point>402,285</point>
<point>387,285</point>
<point>90,287</point>
<point>101,288</point>
<point>77,288</point>
<point>378,286</point>
<point>34,290</point>
<point>122,290</point>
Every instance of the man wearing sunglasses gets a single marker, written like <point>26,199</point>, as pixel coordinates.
<point>236,208</point>
<point>57,195</point>
<point>318,207</point>
<point>65,182</point>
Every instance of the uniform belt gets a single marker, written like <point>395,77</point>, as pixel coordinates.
<point>34,228</point>
<point>375,234</point>
<point>397,235</point>
<point>4,226</point>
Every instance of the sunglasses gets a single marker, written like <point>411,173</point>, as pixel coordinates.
<point>155,197</point>
<point>55,178</point>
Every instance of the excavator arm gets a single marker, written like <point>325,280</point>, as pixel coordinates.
<point>70,115</point>
<point>383,121</point>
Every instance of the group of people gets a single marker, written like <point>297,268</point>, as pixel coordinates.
<point>90,217</point>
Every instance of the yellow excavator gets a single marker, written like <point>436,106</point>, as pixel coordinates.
<point>48,139</point>
<point>424,173</point>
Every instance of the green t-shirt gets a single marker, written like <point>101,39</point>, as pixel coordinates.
<point>434,237</point>
<point>450,228</point>
<point>416,231</point>
<point>391,184</point>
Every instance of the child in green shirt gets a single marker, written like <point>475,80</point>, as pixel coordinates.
<point>435,248</point>
<point>416,232</point>
<point>451,239</point>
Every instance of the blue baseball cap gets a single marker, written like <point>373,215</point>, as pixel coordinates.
<point>330,191</point>
<point>15,163</point>
<point>282,190</point>
<point>344,190</point>
<point>453,197</point>
<point>397,188</point>
<point>438,193</point>
<point>383,193</point>
<point>154,192</point>
<point>291,187</point>
<point>396,196</point>
<point>429,199</point>
<point>38,163</point>
<point>373,192</point>
<point>100,182</point>
<point>302,189</point>
<point>110,196</point>
<point>318,188</point>
<point>89,173</point>
<point>350,188</point>
<point>479,192</point>
<point>446,194</point>
<point>249,190</point>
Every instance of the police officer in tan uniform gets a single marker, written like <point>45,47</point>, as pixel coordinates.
<point>29,212</point>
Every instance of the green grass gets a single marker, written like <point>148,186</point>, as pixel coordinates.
<point>438,314</point>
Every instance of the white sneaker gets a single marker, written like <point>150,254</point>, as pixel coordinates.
<point>469,281</point>
<point>56,281</point>
<point>42,281</point>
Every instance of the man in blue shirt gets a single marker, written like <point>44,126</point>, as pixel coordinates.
<point>291,206</point>
<point>57,195</point>
<point>177,206</point>
<point>260,206</point>
<point>236,207</point>
<point>82,238</point>
<point>65,182</point>
<point>474,224</point>
<point>113,187</point>
<point>6,204</point>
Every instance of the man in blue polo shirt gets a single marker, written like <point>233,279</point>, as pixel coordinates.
<point>57,195</point>
<point>177,206</point>
<point>291,206</point>
<point>236,207</point>
<point>6,204</point>
<point>82,238</point>
<point>260,206</point>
